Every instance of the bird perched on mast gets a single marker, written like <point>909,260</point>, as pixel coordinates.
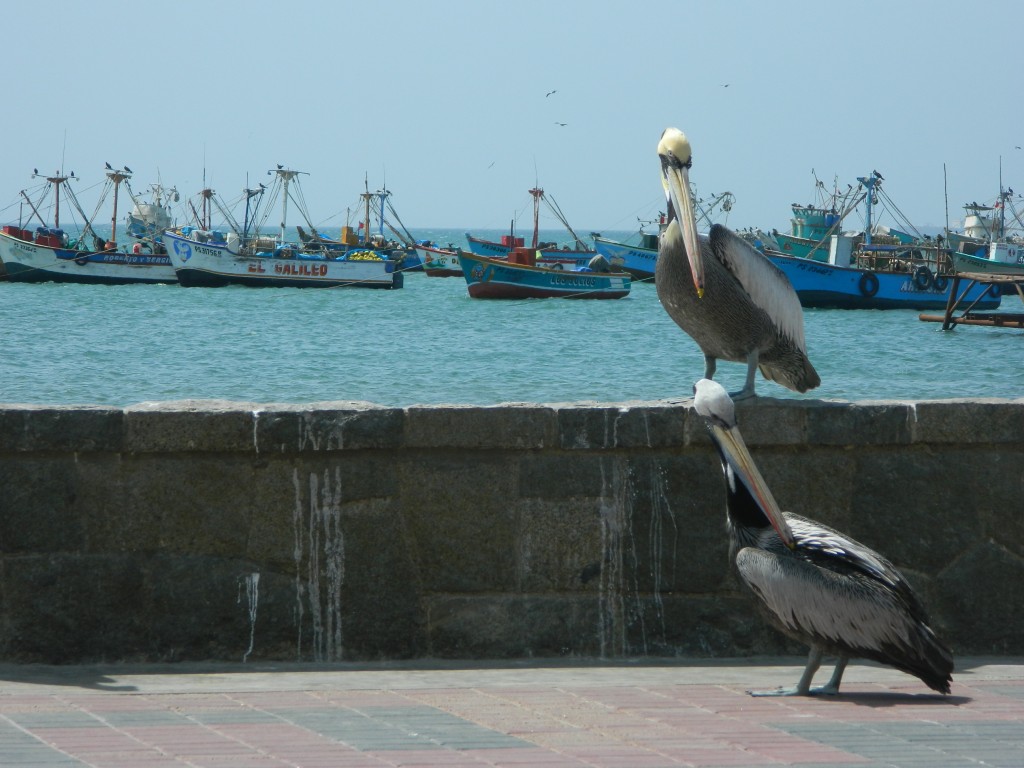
<point>726,295</point>
<point>815,584</point>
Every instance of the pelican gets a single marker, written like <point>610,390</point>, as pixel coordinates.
<point>733,301</point>
<point>814,583</point>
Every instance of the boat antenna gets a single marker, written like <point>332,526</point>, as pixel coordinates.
<point>945,192</point>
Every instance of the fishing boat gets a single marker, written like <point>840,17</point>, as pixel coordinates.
<point>986,246</point>
<point>147,219</point>
<point>577,255</point>
<point>401,247</point>
<point>639,258</point>
<point>49,254</point>
<point>437,261</point>
<point>211,258</point>
<point>876,269</point>
<point>519,277</point>
<point>1002,258</point>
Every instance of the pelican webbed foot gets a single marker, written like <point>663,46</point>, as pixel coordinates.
<point>822,690</point>
<point>803,688</point>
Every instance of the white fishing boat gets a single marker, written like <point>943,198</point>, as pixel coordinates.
<point>148,219</point>
<point>439,262</point>
<point>49,254</point>
<point>987,247</point>
<point>212,258</point>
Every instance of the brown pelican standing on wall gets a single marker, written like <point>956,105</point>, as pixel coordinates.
<point>730,298</point>
<point>815,584</point>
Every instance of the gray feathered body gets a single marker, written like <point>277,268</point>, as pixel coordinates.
<point>727,323</point>
<point>836,594</point>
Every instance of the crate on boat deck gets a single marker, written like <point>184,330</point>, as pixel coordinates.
<point>51,237</point>
<point>18,232</point>
<point>526,256</point>
<point>348,236</point>
<point>512,242</point>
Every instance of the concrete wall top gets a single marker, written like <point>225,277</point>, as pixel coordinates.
<point>261,428</point>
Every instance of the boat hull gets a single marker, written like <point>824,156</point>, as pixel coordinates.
<point>827,286</point>
<point>1011,262</point>
<point>634,259</point>
<point>212,265</point>
<point>499,279</point>
<point>29,262</point>
<point>439,262</point>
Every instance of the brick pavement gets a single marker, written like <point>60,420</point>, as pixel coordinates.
<point>533,715</point>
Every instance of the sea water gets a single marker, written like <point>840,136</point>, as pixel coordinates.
<point>430,343</point>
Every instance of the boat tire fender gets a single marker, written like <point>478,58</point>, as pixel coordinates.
<point>940,282</point>
<point>556,265</point>
<point>923,278</point>
<point>868,284</point>
<point>81,260</point>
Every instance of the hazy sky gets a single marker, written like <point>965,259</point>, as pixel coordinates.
<point>446,101</point>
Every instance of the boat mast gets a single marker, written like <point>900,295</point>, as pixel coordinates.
<point>1002,202</point>
<point>286,177</point>
<point>57,179</point>
<point>117,177</point>
<point>537,193</point>
<point>869,183</point>
<point>366,211</point>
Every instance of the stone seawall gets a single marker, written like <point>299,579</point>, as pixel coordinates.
<point>230,531</point>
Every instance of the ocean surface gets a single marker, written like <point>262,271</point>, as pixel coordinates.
<point>429,343</point>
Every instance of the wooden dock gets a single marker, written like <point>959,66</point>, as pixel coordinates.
<point>958,312</point>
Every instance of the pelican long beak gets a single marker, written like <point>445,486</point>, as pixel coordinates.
<point>735,449</point>
<point>674,151</point>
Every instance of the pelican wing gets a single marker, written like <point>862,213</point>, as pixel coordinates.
<point>768,286</point>
<point>828,548</point>
<point>828,608</point>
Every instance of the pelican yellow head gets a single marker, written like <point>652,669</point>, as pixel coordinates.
<point>676,160</point>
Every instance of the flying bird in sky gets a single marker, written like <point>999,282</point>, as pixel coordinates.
<point>549,93</point>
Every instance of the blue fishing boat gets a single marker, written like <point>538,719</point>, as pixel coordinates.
<point>578,255</point>
<point>880,268</point>
<point>638,258</point>
<point>833,286</point>
<point>519,277</point>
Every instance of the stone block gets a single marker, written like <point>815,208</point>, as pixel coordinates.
<point>560,546</point>
<point>69,608</point>
<point>518,427</point>
<point>914,510</point>
<point>190,427</point>
<point>969,421</point>
<point>461,514</point>
<point>881,423</point>
<point>602,427</point>
<point>978,603</point>
<point>769,421</point>
<point>190,507</point>
<point>329,427</point>
<point>61,428</point>
<point>38,512</point>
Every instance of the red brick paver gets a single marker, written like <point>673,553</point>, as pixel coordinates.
<point>540,715</point>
